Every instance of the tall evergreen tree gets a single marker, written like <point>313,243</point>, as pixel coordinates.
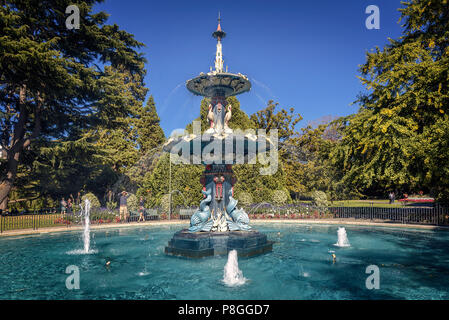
<point>149,132</point>
<point>408,96</point>
<point>50,81</point>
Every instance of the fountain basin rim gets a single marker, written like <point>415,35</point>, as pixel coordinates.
<point>218,84</point>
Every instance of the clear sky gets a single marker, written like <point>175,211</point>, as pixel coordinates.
<point>302,54</point>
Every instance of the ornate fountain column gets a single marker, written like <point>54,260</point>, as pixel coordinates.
<point>218,226</point>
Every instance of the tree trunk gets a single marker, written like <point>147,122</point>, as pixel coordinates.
<point>18,142</point>
<point>8,181</point>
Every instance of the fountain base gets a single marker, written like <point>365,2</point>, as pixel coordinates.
<point>203,244</point>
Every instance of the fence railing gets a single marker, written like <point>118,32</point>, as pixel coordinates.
<point>50,217</point>
<point>437,215</point>
<point>186,213</point>
<point>432,215</point>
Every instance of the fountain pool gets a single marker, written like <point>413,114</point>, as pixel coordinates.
<point>414,264</point>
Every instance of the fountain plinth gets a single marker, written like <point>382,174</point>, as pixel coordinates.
<point>218,226</point>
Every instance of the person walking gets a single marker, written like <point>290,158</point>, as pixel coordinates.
<point>124,206</point>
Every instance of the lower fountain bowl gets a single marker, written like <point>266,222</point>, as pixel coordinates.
<point>205,244</point>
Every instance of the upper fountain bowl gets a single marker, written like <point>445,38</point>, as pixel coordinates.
<point>221,84</point>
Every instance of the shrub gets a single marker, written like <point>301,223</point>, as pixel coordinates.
<point>320,199</point>
<point>245,198</point>
<point>279,197</point>
<point>165,203</point>
<point>94,203</point>
<point>133,202</point>
<point>111,205</point>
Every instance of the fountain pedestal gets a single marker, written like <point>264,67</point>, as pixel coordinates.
<point>204,244</point>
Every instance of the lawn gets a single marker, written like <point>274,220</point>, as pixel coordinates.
<point>368,203</point>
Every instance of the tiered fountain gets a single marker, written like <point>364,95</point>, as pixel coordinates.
<point>218,226</point>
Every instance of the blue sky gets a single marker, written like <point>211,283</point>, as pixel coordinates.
<point>302,54</point>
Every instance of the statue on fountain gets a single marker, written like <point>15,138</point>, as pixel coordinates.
<point>232,219</point>
<point>200,220</point>
<point>240,220</point>
<point>218,119</point>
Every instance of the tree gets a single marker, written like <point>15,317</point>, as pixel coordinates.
<point>50,82</point>
<point>408,97</point>
<point>284,121</point>
<point>149,132</point>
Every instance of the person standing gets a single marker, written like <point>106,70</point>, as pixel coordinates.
<point>141,209</point>
<point>78,199</point>
<point>69,205</point>
<point>124,205</point>
<point>63,207</point>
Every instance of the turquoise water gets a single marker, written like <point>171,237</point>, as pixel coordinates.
<point>414,264</point>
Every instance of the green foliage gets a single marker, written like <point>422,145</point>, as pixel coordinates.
<point>94,203</point>
<point>111,205</point>
<point>320,199</point>
<point>149,131</point>
<point>132,202</point>
<point>284,121</point>
<point>382,145</point>
<point>244,198</point>
<point>185,184</point>
<point>280,197</point>
<point>53,89</point>
<point>431,150</point>
<point>165,203</point>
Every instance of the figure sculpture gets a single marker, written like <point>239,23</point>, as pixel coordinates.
<point>199,220</point>
<point>227,119</point>
<point>240,220</point>
<point>210,116</point>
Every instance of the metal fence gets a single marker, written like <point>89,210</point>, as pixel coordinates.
<point>186,213</point>
<point>436,215</point>
<point>50,217</point>
<point>430,215</point>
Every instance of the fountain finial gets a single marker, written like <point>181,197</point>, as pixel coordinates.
<point>219,34</point>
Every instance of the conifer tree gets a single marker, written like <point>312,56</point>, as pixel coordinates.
<point>149,132</point>
<point>50,82</point>
<point>400,116</point>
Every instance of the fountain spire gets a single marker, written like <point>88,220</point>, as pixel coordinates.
<point>219,34</point>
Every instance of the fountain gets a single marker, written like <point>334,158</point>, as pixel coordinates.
<point>233,276</point>
<point>342,238</point>
<point>85,213</point>
<point>86,232</point>
<point>218,226</point>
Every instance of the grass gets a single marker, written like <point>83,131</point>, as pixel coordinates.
<point>29,221</point>
<point>367,203</point>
